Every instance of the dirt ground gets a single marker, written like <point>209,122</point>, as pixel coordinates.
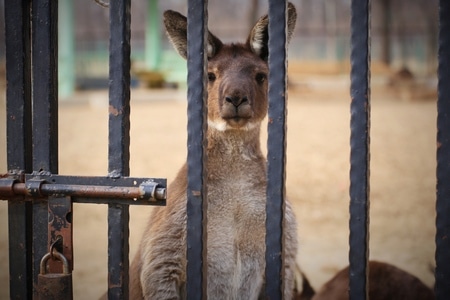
<point>403,142</point>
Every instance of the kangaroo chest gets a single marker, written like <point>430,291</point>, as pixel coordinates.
<point>236,236</point>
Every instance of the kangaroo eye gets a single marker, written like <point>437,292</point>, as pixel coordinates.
<point>211,76</point>
<point>260,77</point>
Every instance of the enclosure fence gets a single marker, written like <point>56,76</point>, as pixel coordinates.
<point>40,200</point>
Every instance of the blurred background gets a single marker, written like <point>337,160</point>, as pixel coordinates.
<point>404,35</point>
<point>404,62</point>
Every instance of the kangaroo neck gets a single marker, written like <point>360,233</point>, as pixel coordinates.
<point>234,144</point>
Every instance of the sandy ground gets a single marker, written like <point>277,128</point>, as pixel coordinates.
<point>402,176</point>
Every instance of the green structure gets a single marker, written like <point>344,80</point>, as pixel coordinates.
<point>66,48</point>
<point>158,66</point>
<point>152,37</point>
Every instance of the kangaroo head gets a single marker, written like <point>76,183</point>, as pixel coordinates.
<point>237,73</point>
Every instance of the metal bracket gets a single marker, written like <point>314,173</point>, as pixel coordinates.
<point>60,230</point>
<point>33,187</point>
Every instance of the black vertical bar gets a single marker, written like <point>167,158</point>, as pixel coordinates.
<point>45,113</point>
<point>196,161</point>
<point>360,151</point>
<point>119,144</point>
<point>442,285</point>
<point>18,107</point>
<point>45,86</point>
<point>276,149</point>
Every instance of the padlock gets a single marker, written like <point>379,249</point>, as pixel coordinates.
<point>55,286</point>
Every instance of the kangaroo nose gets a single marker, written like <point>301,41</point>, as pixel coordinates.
<point>236,100</point>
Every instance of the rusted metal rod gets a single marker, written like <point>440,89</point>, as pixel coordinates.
<point>148,190</point>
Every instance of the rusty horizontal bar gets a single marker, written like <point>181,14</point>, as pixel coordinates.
<point>47,189</point>
<point>84,188</point>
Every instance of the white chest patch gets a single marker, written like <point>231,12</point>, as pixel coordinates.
<point>222,125</point>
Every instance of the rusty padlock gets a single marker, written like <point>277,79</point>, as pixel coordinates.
<point>55,286</point>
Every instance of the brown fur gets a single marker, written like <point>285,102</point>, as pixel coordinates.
<point>386,282</point>
<point>236,182</point>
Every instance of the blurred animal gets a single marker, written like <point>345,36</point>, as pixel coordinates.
<point>386,282</point>
<point>303,289</point>
<point>236,181</point>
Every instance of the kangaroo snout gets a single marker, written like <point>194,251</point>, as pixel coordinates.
<point>236,100</point>
<point>236,106</point>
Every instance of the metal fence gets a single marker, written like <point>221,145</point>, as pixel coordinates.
<point>40,201</point>
<point>35,191</point>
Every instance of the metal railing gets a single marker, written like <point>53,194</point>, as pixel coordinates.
<point>33,187</point>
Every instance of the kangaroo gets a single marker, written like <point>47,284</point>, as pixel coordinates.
<point>236,181</point>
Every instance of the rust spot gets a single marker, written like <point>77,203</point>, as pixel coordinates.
<point>270,120</point>
<point>196,193</point>
<point>114,111</point>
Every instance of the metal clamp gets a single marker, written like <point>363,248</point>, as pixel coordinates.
<point>7,186</point>
<point>151,190</point>
<point>33,187</point>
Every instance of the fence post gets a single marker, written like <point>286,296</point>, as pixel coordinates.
<point>197,112</point>
<point>18,109</point>
<point>276,150</point>
<point>45,114</point>
<point>119,144</point>
<point>360,149</point>
<point>442,273</point>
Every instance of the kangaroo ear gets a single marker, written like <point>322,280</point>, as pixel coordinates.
<point>258,40</point>
<point>176,28</point>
